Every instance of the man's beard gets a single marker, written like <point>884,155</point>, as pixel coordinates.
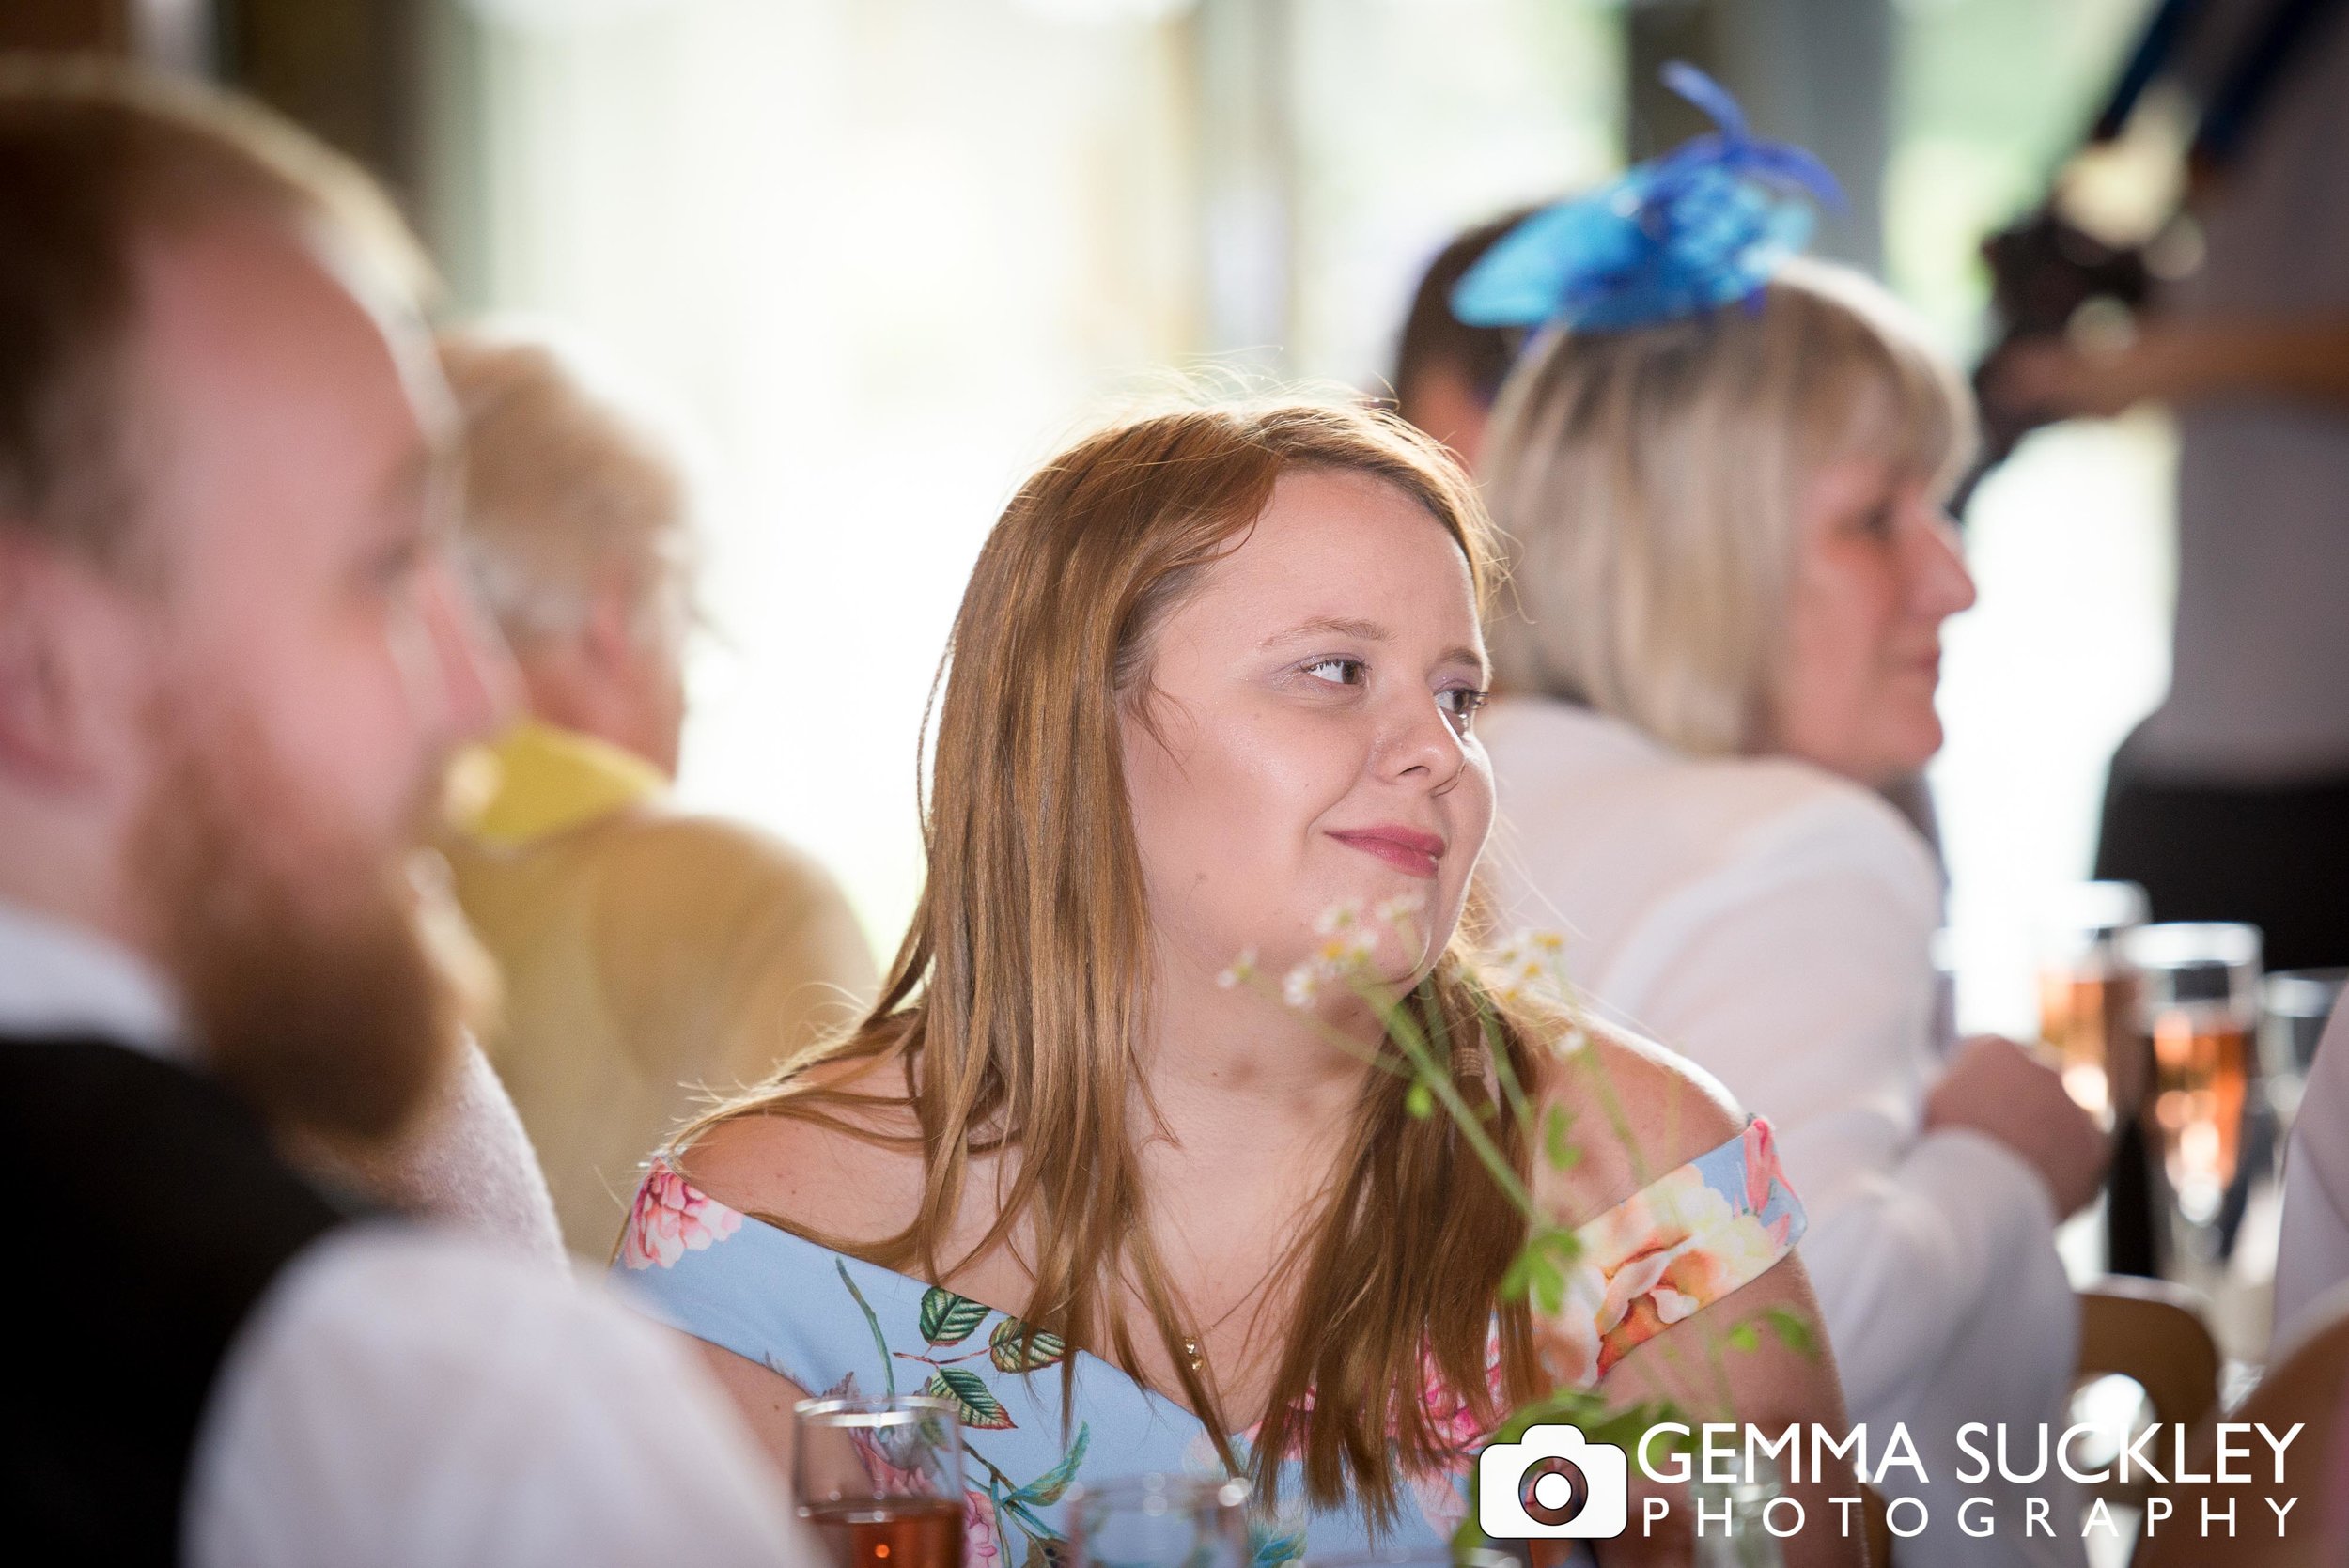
<point>296,946</point>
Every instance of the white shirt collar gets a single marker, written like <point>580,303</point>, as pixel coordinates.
<point>59,979</point>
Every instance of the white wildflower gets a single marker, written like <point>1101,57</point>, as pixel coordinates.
<point>1402,907</point>
<point>1345,915</point>
<point>1302,985</point>
<point>1346,954</point>
<point>1243,971</point>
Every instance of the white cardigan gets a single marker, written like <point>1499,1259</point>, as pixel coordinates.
<point>1772,923</point>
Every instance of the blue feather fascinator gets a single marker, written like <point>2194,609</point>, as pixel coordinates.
<point>1702,227</point>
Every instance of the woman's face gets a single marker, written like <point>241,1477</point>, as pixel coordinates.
<point>1310,741</point>
<point>1877,573</point>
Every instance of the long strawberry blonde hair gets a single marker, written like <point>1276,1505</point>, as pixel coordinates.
<point>1013,1008</point>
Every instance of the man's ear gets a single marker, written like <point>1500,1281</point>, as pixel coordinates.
<point>44,737</point>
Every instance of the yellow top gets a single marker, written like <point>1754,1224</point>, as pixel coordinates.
<point>543,781</point>
<point>648,956</point>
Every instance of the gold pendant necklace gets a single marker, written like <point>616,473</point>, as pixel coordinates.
<point>1196,1357</point>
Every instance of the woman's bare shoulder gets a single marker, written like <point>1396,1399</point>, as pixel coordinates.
<point>850,1173</point>
<point>1635,1111</point>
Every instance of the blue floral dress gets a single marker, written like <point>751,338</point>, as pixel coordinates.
<point>837,1326</point>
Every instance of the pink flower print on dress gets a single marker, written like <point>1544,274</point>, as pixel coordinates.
<point>1661,1256</point>
<point>1761,1164</point>
<point>887,1478</point>
<point>1451,1415</point>
<point>671,1218</point>
<point>981,1543</point>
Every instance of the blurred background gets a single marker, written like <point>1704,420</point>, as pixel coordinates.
<point>885,255</point>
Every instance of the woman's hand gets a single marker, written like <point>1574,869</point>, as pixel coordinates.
<point>1996,1088</point>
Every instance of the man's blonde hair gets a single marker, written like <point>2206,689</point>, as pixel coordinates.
<point>568,485</point>
<point>1649,485</point>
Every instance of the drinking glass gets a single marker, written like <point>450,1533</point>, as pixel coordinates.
<point>2087,994</point>
<point>1160,1521</point>
<point>1433,1555</point>
<point>881,1480</point>
<point>2295,1006</point>
<point>2197,1002</point>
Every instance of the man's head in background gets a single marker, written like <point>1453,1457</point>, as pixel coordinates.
<point>579,533</point>
<point>233,656</point>
<point>1447,373</point>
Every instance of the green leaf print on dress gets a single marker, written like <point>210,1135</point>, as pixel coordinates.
<point>1000,1504</point>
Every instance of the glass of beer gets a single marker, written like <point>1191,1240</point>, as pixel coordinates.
<point>2087,994</point>
<point>881,1480</point>
<point>2198,1005</point>
<point>1161,1521</point>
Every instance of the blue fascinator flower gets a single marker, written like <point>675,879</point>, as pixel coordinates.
<point>1702,227</point>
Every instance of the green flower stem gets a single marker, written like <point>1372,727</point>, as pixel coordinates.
<point>1512,1092</point>
<point>1405,1033</point>
<point>1514,1098</point>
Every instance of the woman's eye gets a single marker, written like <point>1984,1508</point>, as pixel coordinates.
<point>1337,671</point>
<point>1878,521</point>
<point>1460,704</point>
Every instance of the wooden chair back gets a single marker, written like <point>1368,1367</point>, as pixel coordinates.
<point>2154,1333</point>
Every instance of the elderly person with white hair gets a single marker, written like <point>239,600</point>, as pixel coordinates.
<point>648,955</point>
<point>1721,474</point>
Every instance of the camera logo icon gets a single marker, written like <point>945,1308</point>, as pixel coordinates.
<point>1553,1484</point>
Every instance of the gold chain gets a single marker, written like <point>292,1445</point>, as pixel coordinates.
<point>1192,1352</point>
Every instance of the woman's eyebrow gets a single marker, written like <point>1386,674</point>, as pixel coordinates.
<point>1369,631</point>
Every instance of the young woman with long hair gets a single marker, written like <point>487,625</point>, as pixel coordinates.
<point>1216,674</point>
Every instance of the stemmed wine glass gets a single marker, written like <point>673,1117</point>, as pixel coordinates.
<point>2087,994</point>
<point>2198,1005</point>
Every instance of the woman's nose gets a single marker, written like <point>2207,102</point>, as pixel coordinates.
<point>1420,737</point>
<point>1940,585</point>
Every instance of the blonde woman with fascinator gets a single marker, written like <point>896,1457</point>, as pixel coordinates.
<point>1720,469</point>
<point>1216,673</point>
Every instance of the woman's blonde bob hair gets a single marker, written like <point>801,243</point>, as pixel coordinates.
<point>569,482</point>
<point>1009,1021</point>
<point>1649,486</point>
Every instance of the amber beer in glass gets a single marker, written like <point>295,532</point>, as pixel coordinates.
<point>881,1480</point>
<point>2198,1006</point>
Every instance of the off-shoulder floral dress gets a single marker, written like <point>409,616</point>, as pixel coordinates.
<point>836,1324</point>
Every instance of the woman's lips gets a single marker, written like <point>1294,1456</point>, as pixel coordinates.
<point>1406,849</point>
